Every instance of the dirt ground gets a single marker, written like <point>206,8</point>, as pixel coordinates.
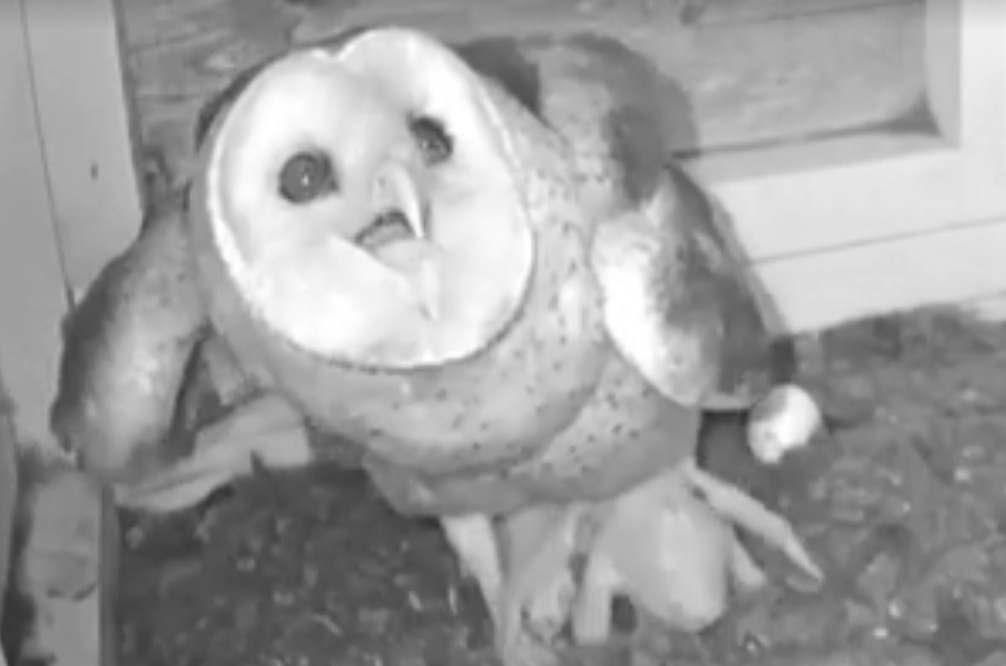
<point>904,504</point>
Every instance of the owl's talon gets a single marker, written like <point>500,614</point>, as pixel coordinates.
<point>748,575</point>
<point>754,516</point>
<point>548,611</point>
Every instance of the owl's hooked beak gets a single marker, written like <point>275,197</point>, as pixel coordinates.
<point>401,207</point>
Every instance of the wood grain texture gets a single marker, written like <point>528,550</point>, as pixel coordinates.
<point>766,72</point>
<point>744,11</point>
<point>784,72</point>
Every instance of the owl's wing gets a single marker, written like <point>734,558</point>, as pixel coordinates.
<point>679,304</point>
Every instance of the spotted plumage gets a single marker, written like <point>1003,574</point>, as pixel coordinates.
<point>634,316</point>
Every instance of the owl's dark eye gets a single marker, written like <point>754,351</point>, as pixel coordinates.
<point>434,142</point>
<point>307,176</point>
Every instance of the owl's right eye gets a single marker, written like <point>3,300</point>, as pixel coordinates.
<point>435,144</point>
<point>306,177</point>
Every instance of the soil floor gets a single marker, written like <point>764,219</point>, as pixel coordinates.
<point>904,504</point>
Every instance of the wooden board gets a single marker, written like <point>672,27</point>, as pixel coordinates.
<point>86,123</point>
<point>775,76</point>
<point>938,268</point>
<point>708,12</point>
<point>32,291</point>
<point>746,82</point>
<point>59,167</point>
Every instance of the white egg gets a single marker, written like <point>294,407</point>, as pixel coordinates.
<point>784,421</point>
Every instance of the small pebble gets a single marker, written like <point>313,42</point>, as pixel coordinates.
<point>785,421</point>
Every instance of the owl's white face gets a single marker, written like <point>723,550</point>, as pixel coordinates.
<point>363,201</point>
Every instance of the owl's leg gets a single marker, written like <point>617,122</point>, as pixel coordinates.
<point>593,610</point>
<point>473,539</point>
<point>754,516</point>
<point>540,543</point>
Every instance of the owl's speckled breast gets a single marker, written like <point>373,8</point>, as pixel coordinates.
<point>626,433</point>
<point>623,435</point>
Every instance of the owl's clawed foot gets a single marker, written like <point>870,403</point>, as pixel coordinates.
<point>536,592</point>
<point>744,571</point>
<point>539,592</point>
<point>474,539</point>
<point>668,544</point>
<point>751,514</point>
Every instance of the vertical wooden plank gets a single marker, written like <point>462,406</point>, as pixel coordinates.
<point>68,178</point>
<point>9,485</point>
<point>966,71</point>
<point>32,290</point>
<point>86,125</point>
<point>943,64</point>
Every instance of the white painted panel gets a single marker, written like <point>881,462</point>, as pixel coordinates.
<point>85,120</point>
<point>32,294</point>
<point>954,266</point>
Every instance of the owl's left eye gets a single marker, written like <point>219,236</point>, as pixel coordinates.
<point>307,176</point>
<point>433,140</point>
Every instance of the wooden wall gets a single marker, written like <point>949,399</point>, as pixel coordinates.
<point>755,71</point>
